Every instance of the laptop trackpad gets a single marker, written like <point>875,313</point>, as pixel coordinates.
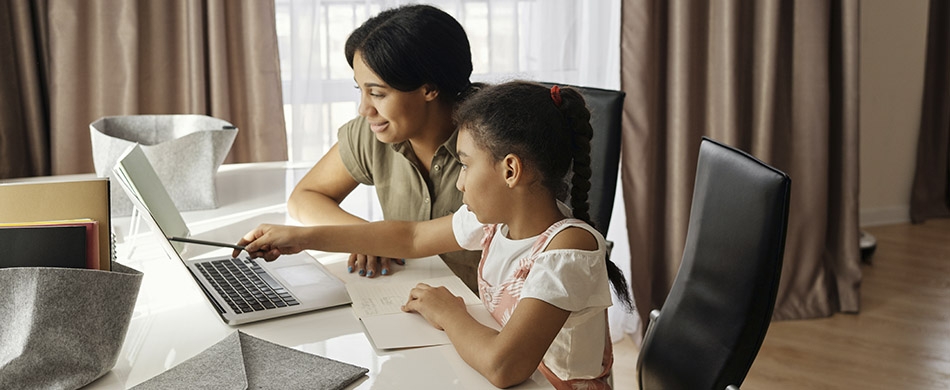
<point>302,275</point>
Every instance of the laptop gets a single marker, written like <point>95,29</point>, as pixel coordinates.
<point>241,289</point>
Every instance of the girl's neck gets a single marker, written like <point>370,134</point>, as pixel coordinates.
<point>533,218</point>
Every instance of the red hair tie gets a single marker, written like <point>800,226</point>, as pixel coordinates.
<point>556,95</point>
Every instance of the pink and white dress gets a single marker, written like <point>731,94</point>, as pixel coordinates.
<point>580,357</point>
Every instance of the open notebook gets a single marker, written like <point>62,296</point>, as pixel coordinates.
<point>377,303</point>
<point>240,289</point>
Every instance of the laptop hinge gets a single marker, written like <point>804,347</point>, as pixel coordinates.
<point>214,302</point>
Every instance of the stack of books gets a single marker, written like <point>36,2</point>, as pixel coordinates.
<point>56,224</point>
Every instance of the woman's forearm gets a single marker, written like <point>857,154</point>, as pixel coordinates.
<point>313,208</point>
<point>316,198</point>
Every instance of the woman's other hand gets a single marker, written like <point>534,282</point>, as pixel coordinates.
<point>371,266</point>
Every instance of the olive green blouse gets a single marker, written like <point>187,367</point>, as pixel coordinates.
<point>404,192</point>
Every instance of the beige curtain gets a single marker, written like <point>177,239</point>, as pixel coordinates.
<point>930,197</point>
<point>77,61</point>
<point>777,79</point>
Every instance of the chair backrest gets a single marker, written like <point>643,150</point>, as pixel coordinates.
<point>714,320</point>
<point>606,110</point>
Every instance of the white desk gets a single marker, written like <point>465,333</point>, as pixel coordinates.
<point>173,321</point>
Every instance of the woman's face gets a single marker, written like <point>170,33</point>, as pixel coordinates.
<point>394,115</point>
<point>481,180</point>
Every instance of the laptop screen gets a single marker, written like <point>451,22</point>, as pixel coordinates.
<point>140,181</point>
<point>138,178</point>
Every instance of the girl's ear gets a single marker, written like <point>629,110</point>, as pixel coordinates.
<point>513,169</point>
<point>430,92</point>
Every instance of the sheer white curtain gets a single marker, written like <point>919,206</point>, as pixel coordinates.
<point>564,41</point>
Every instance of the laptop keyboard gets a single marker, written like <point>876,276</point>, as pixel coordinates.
<point>245,286</point>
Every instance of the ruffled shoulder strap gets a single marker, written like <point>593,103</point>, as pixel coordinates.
<point>545,238</point>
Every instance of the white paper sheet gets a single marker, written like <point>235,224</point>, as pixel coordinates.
<point>405,330</point>
<point>372,299</point>
<point>379,307</point>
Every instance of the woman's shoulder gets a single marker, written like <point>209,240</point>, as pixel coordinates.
<point>354,128</point>
<point>356,138</point>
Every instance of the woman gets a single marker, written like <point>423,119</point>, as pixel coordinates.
<point>412,66</point>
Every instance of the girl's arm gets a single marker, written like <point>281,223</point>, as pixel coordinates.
<point>508,357</point>
<point>396,239</point>
<point>505,358</point>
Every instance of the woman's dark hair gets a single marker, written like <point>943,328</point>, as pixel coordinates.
<point>414,45</point>
<point>522,118</point>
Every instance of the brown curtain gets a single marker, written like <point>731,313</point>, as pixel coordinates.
<point>77,61</point>
<point>777,79</point>
<point>24,122</point>
<point>930,197</point>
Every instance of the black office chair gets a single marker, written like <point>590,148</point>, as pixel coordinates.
<point>714,320</point>
<point>606,110</point>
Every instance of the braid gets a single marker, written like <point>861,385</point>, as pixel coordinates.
<point>522,118</point>
<point>578,117</point>
<point>580,179</point>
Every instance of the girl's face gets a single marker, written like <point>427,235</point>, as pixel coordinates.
<point>394,115</point>
<point>481,180</point>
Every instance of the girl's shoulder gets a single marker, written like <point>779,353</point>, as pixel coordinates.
<point>572,234</point>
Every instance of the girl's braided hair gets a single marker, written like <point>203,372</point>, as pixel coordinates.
<point>549,129</point>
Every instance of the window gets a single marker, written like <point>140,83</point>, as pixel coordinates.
<point>567,41</point>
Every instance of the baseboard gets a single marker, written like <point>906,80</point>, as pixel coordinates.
<point>884,216</point>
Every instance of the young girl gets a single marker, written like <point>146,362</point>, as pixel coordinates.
<point>543,276</point>
<point>412,66</point>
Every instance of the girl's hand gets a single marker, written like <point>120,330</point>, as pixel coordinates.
<point>371,266</point>
<point>271,241</point>
<point>434,304</point>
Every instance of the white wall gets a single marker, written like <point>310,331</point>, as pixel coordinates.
<point>893,45</point>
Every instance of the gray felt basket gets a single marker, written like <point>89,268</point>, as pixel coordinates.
<point>63,328</point>
<point>185,150</point>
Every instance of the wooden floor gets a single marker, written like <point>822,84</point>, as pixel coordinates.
<point>900,340</point>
